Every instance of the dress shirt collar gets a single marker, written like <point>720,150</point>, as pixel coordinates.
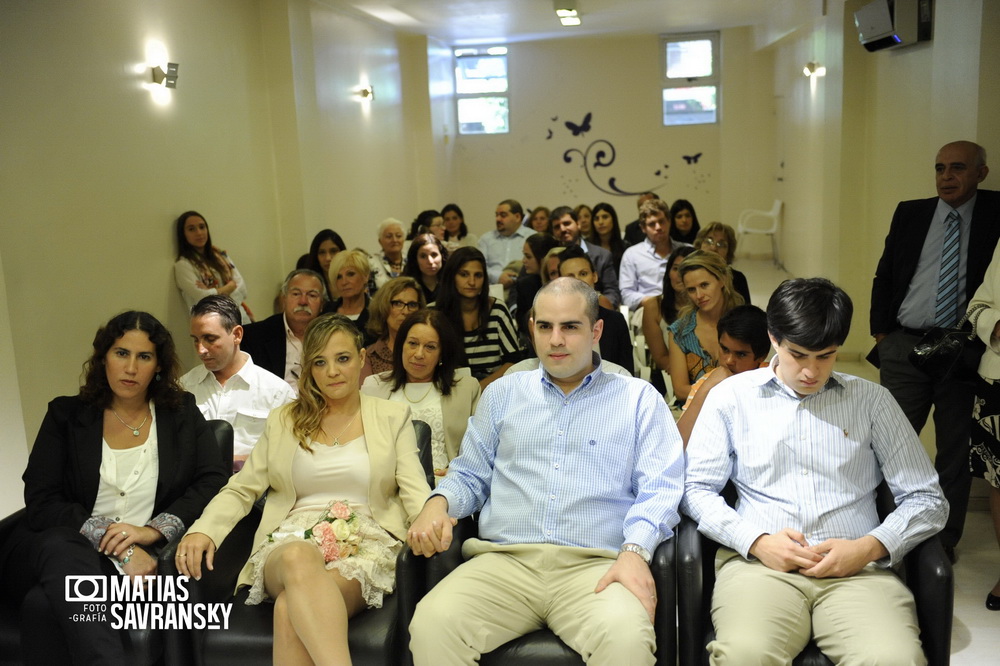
<point>768,375</point>
<point>587,382</point>
<point>964,211</point>
<point>201,374</point>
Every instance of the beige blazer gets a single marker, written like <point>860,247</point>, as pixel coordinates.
<point>396,494</point>
<point>456,408</point>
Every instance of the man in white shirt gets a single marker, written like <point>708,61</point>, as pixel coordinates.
<point>506,244</point>
<point>227,385</point>
<point>643,266</point>
<point>566,229</point>
<point>804,552</point>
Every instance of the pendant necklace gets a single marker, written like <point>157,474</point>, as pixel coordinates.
<point>134,429</point>
<point>414,402</point>
<point>336,440</point>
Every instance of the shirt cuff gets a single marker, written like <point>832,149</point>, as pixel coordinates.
<point>94,528</point>
<point>647,538</point>
<point>167,524</point>
<point>454,508</point>
<point>892,542</point>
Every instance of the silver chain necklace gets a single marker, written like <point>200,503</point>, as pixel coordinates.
<point>336,440</point>
<point>134,429</point>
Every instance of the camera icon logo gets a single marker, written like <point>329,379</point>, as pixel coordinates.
<point>87,589</point>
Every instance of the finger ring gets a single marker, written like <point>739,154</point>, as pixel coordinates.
<point>124,533</point>
<point>182,555</point>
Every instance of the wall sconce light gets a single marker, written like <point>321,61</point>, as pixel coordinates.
<point>567,12</point>
<point>167,79</point>
<point>365,93</point>
<point>813,68</point>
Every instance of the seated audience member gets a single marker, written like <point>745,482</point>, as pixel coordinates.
<point>388,263</point>
<point>227,384</point>
<point>115,473</point>
<point>538,221</point>
<point>721,239</point>
<point>202,269</point>
<point>694,339</point>
<point>423,377</point>
<point>487,331</point>
<point>584,218</point>
<point>332,453</point>
<point>605,233</point>
<point>544,559</point>
<point>550,265</point>
<point>659,311</point>
<point>324,247</point>
<point>684,225</point>
<point>533,363</point>
<point>350,274</point>
<point>503,245</point>
<point>392,303</point>
<point>536,247</point>
<point>424,261</point>
<point>643,265</point>
<point>633,230</point>
<point>456,234</point>
<point>275,343</point>
<point>743,345</point>
<point>615,345</point>
<point>566,229</point>
<point>804,553</point>
<point>424,223</point>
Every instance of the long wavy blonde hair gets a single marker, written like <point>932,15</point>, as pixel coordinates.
<point>716,266</point>
<point>308,409</point>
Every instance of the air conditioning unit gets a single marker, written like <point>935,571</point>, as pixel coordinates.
<point>888,24</point>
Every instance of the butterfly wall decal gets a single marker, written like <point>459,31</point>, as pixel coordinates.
<point>582,128</point>
<point>692,159</point>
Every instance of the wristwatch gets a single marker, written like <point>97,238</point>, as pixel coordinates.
<point>638,550</point>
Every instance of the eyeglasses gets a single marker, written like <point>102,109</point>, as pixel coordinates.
<point>312,294</point>
<point>409,306</point>
<point>722,245</point>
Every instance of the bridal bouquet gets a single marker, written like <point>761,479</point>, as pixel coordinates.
<point>336,533</point>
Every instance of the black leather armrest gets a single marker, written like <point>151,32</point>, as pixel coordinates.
<point>690,592</point>
<point>442,564</point>
<point>930,577</point>
<point>664,577</point>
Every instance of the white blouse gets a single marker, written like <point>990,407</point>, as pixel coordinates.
<point>330,473</point>
<point>127,489</point>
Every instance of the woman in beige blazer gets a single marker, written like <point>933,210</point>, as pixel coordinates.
<point>425,357</point>
<point>330,449</point>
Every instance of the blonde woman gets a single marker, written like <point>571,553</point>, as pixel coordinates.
<point>694,338</point>
<point>348,278</point>
<point>329,448</point>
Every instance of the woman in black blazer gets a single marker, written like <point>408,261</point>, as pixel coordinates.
<point>115,473</point>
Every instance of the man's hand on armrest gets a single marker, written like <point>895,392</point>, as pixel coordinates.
<point>786,550</point>
<point>845,557</point>
<point>431,532</point>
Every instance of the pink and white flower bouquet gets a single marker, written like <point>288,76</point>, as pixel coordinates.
<point>336,533</point>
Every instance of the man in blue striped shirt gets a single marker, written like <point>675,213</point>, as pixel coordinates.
<point>804,551</point>
<point>577,474</point>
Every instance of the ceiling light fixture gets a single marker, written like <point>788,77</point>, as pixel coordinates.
<point>814,69</point>
<point>167,79</point>
<point>567,12</point>
<point>365,93</point>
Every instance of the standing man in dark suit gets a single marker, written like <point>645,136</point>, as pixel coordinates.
<point>275,344</point>
<point>935,258</point>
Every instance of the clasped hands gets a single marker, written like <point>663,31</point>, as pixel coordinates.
<point>120,536</point>
<point>431,532</point>
<point>788,550</point>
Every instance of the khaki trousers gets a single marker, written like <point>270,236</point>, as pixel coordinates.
<point>503,592</point>
<point>762,616</point>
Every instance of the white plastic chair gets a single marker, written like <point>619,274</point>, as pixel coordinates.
<point>743,226</point>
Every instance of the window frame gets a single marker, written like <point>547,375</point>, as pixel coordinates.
<point>460,52</point>
<point>714,79</point>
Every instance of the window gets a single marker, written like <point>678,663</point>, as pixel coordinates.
<point>481,89</point>
<point>690,78</point>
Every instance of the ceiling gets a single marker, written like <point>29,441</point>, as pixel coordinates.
<point>458,22</point>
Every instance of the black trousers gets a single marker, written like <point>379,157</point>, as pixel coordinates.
<point>952,400</point>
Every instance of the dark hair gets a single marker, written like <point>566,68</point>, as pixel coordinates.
<point>575,252</point>
<point>209,256</point>
<point>558,212</point>
<point>412,268</point>
<point>423,220</point>
<point>225,307</point>
<point>748,324</point>
<point>515,206</point>
<point>812,313</point>
<point>675,233</point>
<point>165,390</point>
<point>617,245</point>
<point>531,214</point>
<point>668,300</point>
<point>540,245</point>
<point>451,348</point>
<point>311,260</point>
<point>463,230</point>
<point>450,303</point>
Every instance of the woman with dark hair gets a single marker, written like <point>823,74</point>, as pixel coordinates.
<point>539,220</point>
<point>202,269</point>
<point>389,307</point>
<point>694,338</point>
<point>116,472</point>
<point>423,377</point>
<point>658,312</point>
<point>426,222</point>
<point>684,225</point>
<point>456,234</point>
<point>324,247</point>
<point>584,218</point>
<point>536,246</point>
<point>424,261</point>
<point>721,239</point>
<point>488,334</point>
<point>606,233</point>
<point>343,483</point>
